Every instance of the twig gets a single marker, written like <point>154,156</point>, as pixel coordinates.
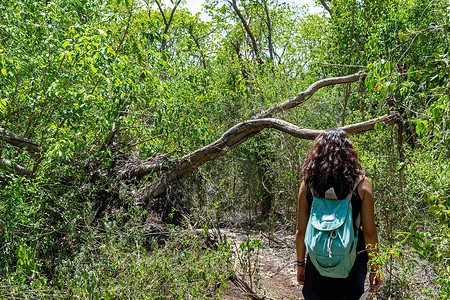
<point>144,141</point>
<point>243,286</point>
<point>272,239</point>
<point>337,65</point>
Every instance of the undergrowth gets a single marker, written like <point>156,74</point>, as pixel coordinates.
<point>70,255</point>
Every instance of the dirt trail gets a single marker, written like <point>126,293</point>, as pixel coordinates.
<point>277,270</point>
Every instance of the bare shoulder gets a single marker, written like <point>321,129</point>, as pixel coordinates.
<point>365,188</point>
<point>303,187</point>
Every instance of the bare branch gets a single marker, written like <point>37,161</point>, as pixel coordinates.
<point>171,16</point>
<point>243,286</point>
<point>325,5</point>
<point>206,34</point>
<point>19,141</point>
<point>303,96</point>
<point>239,133</point>
<point>269,29</point>
<point>236,136</point>
<point>162,12</point>
<point>247,29</point>
<point>14,168</point>
<point>197,43</point>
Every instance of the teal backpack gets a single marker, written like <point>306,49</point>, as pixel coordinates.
<point>330,235</point>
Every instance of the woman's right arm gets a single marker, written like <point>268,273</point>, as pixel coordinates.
<point>369,229</point>
<point>302,222</point>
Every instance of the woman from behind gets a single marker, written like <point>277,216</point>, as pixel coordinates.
<point>332,165</point>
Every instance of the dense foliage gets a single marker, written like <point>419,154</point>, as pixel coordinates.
<point>93,87</point>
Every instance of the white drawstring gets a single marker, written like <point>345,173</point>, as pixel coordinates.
<point>332,235</point>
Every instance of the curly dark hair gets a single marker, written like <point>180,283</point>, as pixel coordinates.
<point>332,162</point>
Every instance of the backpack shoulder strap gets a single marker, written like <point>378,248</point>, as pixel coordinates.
<point>358,217</point>
<point>313,192</point>
<point>357,182</point>
<point>329,194</point>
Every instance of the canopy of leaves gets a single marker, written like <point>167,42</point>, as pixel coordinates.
<point>91,89</point>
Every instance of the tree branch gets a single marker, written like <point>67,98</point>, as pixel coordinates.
<point>325,5</point>
<point>197,43</point>
<point>236,136</point>
<point>244,130</point>
<point>14,168</point>
<point>19,141</point>
<point>167,26</point>
<point>247,29</point>
<point>303,96</point>
<point>162,12</point>
<point>269,30</point>
<point>171,16</point>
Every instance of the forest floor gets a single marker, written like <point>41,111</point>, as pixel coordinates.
<point>276,265</point>
<point>277,272</point>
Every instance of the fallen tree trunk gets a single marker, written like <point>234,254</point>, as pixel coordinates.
<point>14,168</point>
<point>244,130</point>
<point>236,136</point>
<point>19,141</point>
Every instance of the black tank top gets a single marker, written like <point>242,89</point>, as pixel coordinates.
<point>356,202</point>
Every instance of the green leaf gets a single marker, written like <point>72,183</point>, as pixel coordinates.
<point>392,87</point>
<point>403,37</point>
<point>378,126</point>
<point>389,67</point>
<point>3,104</point>
<point>435,208</point>
<point>420,127</point>
<point>94,69</point>
<point>370,83</point>
<point>4,72</point>
<point>65,44</point>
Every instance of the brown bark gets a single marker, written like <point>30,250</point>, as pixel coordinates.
<point>236,136</point>
<point>247,30</point>
<point>14,168</point>
<point>19,141</point>
<point>303,96</point>
<point>239,133</point>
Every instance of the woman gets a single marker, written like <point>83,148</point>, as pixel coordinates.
<point>333,162</point>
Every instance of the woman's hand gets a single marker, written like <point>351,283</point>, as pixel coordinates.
<point>301,274</point>
<point>375,281</point>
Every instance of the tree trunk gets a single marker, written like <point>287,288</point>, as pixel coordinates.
<point>239,133</point>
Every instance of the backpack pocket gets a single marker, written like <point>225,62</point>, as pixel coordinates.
<point>329,263</point>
